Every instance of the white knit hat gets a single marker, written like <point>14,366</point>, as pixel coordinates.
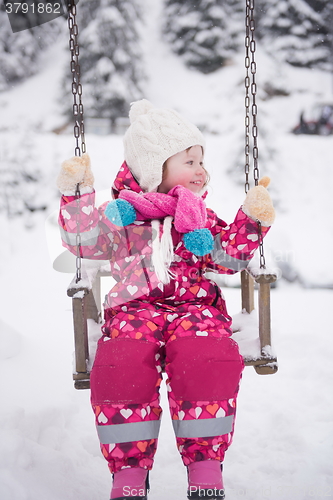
<point>155,135</point>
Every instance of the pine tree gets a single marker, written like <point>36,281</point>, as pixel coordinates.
<point>294,31</point>
<point>201,32</point>
<point>110,57</point>
<point>325,8</point>
<point>20,52</point>
<point>21,179</point>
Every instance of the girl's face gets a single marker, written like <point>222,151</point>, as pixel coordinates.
<point>184,168</point>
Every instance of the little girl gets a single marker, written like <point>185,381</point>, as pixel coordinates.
<point>163,312</point>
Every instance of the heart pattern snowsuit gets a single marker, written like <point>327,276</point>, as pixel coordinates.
<point>182,327</point>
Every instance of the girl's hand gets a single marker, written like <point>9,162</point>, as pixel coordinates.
<point>76,171</point>
<point>258,204</point>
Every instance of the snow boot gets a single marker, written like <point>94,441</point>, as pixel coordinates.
<point>205,480</point>
<point>132,483</point>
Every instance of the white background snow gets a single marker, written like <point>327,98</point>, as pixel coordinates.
<point>282,446</point>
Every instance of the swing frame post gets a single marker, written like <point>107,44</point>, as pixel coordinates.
<point>81,373</point>
<point>264,281</point>
<point>264,311</point>
<point>247,287</point>
<point>267,363</point>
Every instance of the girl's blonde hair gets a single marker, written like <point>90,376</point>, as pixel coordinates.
<point>164,168</point>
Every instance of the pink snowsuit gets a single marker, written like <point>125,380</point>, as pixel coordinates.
<point>183,326</point>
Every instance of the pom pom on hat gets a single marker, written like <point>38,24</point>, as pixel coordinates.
<point>139,108</point>
<point>120,212</point>
<point>156,134</point>
<point>200,241</point>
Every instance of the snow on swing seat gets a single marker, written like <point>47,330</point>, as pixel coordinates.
<point>245,327</point>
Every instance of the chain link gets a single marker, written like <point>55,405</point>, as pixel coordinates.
<point>250,102</point>
<point>78,235</point>
<point>262,260</point>
<point>79,136</point>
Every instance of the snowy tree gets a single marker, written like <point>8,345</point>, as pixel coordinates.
<point>22,190</point>
<point>110,56</point>
<point>201,31</point>
<point>294,31</point>
<point>20,52</point>
<point>325,8</point>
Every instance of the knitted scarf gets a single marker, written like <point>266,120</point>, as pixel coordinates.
<point>187,209</point>
<point>181,205</point>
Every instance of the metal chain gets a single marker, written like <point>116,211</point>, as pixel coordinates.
<point>76,84</point>
<point>250,100</point>
<point>78,118</point>
<point>247,99</point>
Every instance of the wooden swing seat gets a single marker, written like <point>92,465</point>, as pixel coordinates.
<point>86,304</point>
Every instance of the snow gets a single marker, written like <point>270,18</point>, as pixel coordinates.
<point>245,327</point>
<point>283,443</point>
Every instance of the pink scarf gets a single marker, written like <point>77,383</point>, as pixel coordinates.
<point>187,209</point>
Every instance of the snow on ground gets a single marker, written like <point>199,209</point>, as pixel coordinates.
<point>283,440</point>
<point>283,444</point>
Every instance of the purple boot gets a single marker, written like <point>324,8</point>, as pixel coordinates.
<point>130,483</point>
<point>205,480</point>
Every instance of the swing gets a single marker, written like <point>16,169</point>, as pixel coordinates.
<point>85,288</point>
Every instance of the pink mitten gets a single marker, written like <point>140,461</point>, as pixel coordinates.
<point>258,204</point>
<point>75,171</point>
